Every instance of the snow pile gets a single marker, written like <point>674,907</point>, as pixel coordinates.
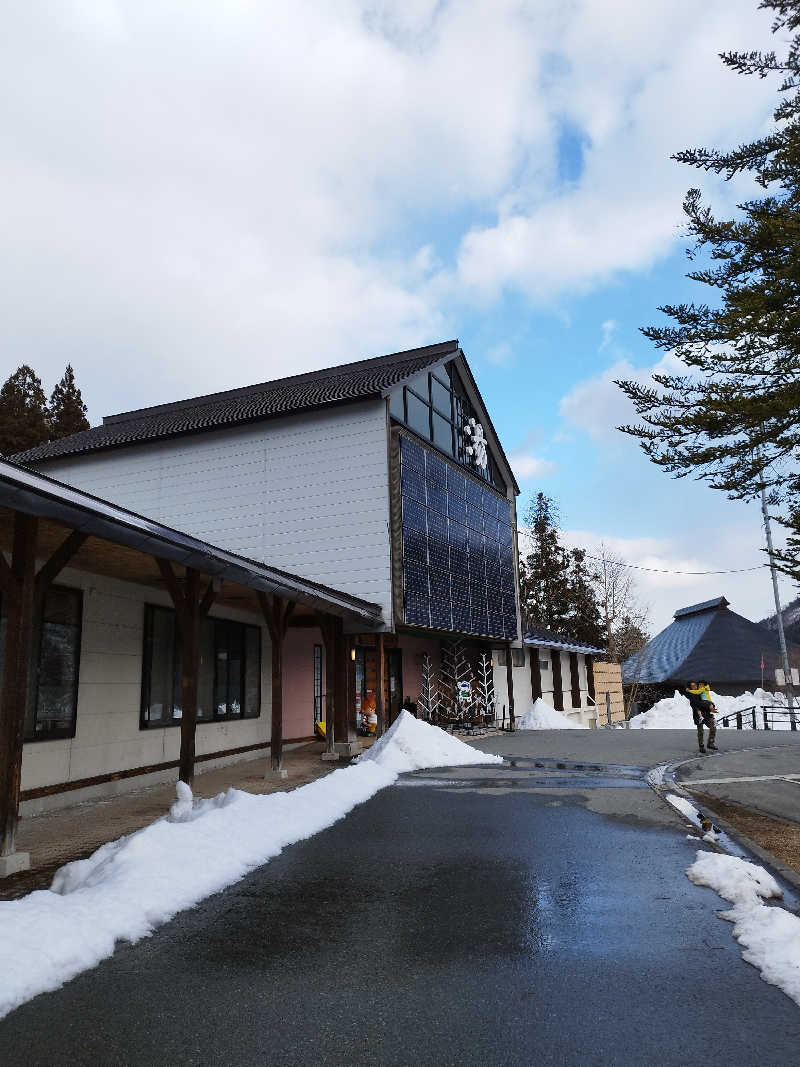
<point>541,716</point>
<point>131,886</point>
<point>675,713</point>
<point>411,744</point>
<point>770,936</point>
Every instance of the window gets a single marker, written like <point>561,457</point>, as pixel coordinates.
<point>51,714</point>
<point>435,406</point>
<point>517,657</point>
<point>229,682</point>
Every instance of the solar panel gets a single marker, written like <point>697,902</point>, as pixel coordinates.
<point>457,548</point>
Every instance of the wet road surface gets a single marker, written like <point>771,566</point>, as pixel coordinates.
<point>536,913</point>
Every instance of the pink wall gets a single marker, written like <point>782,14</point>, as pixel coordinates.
<point>413,649</point>
<point>298,681</point>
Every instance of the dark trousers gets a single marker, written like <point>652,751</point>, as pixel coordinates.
<point>708,720</point>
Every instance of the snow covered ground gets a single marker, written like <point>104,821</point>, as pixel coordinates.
<point>769,936</point>
<point>675,713</point>
<point>541,716</point>
<point>131,886</point>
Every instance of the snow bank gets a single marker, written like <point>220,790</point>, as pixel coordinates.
<point>411,744</point>
<point>675,713</point>
<point>131,886</point>
<point>770,936</point>
<point>541,716</point>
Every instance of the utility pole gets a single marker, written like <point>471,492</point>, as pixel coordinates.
<point>787,673</point>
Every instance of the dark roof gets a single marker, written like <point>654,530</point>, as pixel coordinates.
<point>542,637</point>
<point>706,642</point>
<point>35,494</point>
<point>283,396</point>
<point>707,605</point>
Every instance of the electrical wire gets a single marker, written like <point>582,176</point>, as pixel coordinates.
<point>661,570</point>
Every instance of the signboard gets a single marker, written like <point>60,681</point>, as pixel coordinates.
<point>780,679</point>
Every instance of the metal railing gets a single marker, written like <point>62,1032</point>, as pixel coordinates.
<point>761,717</point>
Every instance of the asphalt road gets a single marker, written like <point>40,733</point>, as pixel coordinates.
<point>531,915</point>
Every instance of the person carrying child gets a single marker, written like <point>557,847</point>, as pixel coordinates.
<point>699,695</point>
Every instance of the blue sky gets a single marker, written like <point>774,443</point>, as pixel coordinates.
<point>208,196</point>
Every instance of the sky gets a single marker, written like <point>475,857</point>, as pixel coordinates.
<point>204,196</point>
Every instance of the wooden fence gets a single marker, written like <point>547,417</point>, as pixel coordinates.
<point>608,680</point>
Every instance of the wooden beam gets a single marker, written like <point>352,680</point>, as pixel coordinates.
<point>574,680</point>
<point>58,561</point>
<point>590,675</point>
<point>190,609</point>
<point>510,684</point>
<point>536,673</point>
<point>380,703</point>
<point>276,611</point>
<point>558,691</point>
<point>17,659</point>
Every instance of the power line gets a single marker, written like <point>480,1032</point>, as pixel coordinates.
<point>661,570</point>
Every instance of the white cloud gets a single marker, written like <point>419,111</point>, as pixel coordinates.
<point>204,196</point>
<point>733,545</point>
<point>525,465</point>
<point>598,406</point>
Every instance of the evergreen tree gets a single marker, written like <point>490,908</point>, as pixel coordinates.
<point>731,419</point>
<point>585,623</point>
<point>23,412</point>
<point>67,411</point>
<point>544,570</point>
<point>556,587</point>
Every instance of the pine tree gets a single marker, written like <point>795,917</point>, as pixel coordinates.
<point>584,623</point>
<point>23,412</point>
<point>66,411</point>
<point>731,419</point>
<point>544,571</point>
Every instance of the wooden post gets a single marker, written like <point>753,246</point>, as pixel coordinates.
<point>19,586</point>
<point>590,676</point>
<point>348,732</point>
<point>342,669</point>
<point>24,591</point>
<point>510,685</point>
<point>330,626</point>
<point>190,610</point>
<point>574,680</point>
<point>276,611</point>
<point>380,704</point>
<point>536,673</point>
<point>558,691</point>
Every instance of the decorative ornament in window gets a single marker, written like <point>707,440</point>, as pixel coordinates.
<point>477,444</point>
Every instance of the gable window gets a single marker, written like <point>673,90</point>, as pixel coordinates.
<point>52,711</point>
<point>436,407</point>
<point>229,682</point>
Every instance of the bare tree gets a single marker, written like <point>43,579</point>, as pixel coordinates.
<point>625,619</point>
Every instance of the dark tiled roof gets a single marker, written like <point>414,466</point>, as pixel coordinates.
<point>316,389</point>
<point>716,644</point>
<point>541,636</point>
<point>707,605</point>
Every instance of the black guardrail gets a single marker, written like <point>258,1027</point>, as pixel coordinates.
<point>761,717</point>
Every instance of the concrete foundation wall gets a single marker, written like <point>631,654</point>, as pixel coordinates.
<point>107,737</point>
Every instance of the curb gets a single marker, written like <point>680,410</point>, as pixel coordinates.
<point>661,780</point>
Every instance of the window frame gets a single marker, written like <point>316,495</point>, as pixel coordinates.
<point>68,732</point>
<point>147,671</point>
<point>460,411</point>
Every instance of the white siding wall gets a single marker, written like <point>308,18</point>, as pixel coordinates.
<point>107,734</point>
<point>308,493</point>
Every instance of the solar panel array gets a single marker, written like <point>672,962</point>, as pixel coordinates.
<point>458,550</point>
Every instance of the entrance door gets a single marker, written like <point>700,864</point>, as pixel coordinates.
<point>394,663</point>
